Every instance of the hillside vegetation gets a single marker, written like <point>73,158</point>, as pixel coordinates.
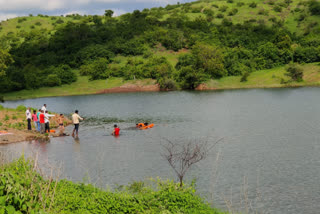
<point>179,46</point>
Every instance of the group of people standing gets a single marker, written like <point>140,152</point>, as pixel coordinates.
<point>41,119</point>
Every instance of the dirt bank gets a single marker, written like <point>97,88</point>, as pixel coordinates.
<point>13,127</point>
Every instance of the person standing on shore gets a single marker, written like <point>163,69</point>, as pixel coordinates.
<point>42,122</point>
<point>44,108</point>
<point>28,116</point>
<point>47,121</point>
<point>38,117</point>
<point>76,122</point>
<point>35,120</point>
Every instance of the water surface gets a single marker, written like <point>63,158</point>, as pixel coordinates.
<point>269,153</point>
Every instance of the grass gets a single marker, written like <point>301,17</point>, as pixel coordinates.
<point>268,79</point>
<point>81,87</point>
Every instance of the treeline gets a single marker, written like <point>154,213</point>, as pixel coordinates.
<point>50,58</point>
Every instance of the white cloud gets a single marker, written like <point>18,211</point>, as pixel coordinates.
<point>50,5</point>
<point>4,17</point>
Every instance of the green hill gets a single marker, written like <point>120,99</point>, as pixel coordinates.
<point>179,46</point>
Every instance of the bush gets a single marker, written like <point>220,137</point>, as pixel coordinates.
<point>18,26</point>
<point>277,8</point>
<point>168,84</point>
<point>1,107</point>
<point>220,16</point>
<point>53,80</point>
<point>215,5</point>
<point>65,74</point>
<point>263,12</point>
<point>314,7</point>
<point>245,76</point>
<point>38,23</point>
<point>21,108</point>
<point>253,5</point>
<point>97,69</point>
<point>240,4</point>
<point>23,190</point>
<point>223,8</point>
<point>295,72</point>
<point>230,1</point>
<point>233,12</point>
<point>59,21</point>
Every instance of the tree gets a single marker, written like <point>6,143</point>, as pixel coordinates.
<point>295,72</point>
<point>5,61</point>
<point>182,156</point>
<point>210,59</point>
<point>108,13</point>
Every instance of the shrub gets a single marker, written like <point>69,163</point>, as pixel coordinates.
<point>38,23</point>
<point>23,190</point>
<point>230,1</point>
<point>263,12</point>
<point>314,7</point>
<point>53,80</point>
<point>245,76</point>
<point>295,72</point>
<point>240,4</point>
<point>1,107</point>
<point>32,27</point>
<point>21,108</point>
<point>14,117</point>
<point>253,5</point>
<point>277,8</point>
<point>168,84</point>
<point>6,117</point>
<point>18,26</point>
<point>59,21</point>
<point>223,8</point>
<point>65,74</point>
<point>233,12</point>
<point>220,16</point>
<point>214,5</point>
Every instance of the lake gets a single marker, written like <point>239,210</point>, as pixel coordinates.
<point>268,160</point>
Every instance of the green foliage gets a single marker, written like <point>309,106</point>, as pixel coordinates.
<point>253,5</point>
<point>97,69</point>
<point>23,190</point>
<point>223,8</point>
<point>1,107</point>
<point>245,76</point>
<point>14,117</point>
<point>233,12</point>
<point>6,117</point>
<point>277,8</point>
<point>295,72</point>
<point>314,7</point>
<point>53,80</point>
<point>49,57</point>
<point>65,74</point>
<point>21,108</point>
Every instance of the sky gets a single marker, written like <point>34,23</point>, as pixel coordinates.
<point>14,8</point>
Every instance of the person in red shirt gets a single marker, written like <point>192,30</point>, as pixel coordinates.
<point>42,122</point>
<point>116,131</point>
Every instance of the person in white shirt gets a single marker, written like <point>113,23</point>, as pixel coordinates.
<point>76,122</point>
<point>47,121</point>
<point>44,108</point>
<point>29,116</point>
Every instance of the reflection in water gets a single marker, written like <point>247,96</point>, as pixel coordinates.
<point>271,142</point>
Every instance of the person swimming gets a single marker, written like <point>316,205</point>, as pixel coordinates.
<point>116,131</point>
